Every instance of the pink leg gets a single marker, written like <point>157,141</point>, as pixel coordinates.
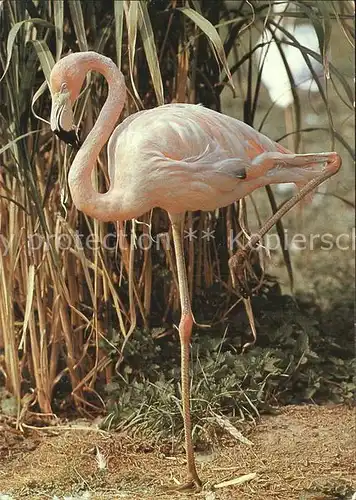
<point>185,333</point>
<point>265,162</point>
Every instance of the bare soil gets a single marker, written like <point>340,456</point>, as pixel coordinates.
<point>303,452</point>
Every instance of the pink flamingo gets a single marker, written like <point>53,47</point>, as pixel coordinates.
<point>178,157</point>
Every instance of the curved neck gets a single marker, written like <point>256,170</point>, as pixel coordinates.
<point>102,206</point>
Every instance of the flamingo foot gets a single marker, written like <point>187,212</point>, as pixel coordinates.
<point>194,485</point>
<point>237,265</point>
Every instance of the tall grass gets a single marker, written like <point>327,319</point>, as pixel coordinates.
<point>66,299</point>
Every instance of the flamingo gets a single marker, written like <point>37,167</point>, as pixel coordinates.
<point>274,75</point>
<point>179,157</point>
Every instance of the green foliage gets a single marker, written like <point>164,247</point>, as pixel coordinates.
<point>299,358</point>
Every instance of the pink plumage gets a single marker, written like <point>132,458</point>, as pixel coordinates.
<point>178,157</point>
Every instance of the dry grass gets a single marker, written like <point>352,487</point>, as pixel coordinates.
<point>61,308</point>
<point>301,453</point>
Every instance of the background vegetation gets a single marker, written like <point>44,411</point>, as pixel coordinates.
<point>76,322</point>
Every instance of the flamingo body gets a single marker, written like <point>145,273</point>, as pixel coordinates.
<point>177,157</point>
<point>185,157</point>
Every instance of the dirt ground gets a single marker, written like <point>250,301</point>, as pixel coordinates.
<point>303,452</point>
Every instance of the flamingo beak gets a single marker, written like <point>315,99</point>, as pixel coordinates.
<point>62,120</point>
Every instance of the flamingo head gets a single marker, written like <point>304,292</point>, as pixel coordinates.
<point>65,82</point>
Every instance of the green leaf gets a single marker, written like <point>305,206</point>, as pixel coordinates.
<point>45,56</point>
<point>36,96</point>
<point>104,37</point>
<point>315,18</point>
<point>131,12</point>
<point>326,28</point>
<point>150,51</point>
<point>319,15</point>
<point>47,63</point>
<point>212,35</point>
<point>78,23</point>
<point>12,37</point>
<point>119,23</point>
<point>58,14</point>
<point>19,138</point>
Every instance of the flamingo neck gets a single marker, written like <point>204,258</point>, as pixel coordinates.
<point>102,206</point>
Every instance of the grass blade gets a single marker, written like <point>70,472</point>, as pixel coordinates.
<point>29,299</point>
<point>150,51</point>
<point>78,23</point>
<point>45,57</point>
<point>119,24</point>
<point>212,35</point>
<point>131,12</point>
<point>12,37</point>
<point>58,14</point>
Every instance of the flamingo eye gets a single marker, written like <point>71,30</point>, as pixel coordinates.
<point>64,87</point>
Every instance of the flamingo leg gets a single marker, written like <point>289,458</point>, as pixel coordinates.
<point>333,163</point>
<point>185,333</point>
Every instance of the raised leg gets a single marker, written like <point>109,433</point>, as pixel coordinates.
<point>185,333</point>
<point>332,163</point>
<point>265,162</point>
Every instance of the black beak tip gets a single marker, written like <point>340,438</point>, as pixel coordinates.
<point>70,137</point>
